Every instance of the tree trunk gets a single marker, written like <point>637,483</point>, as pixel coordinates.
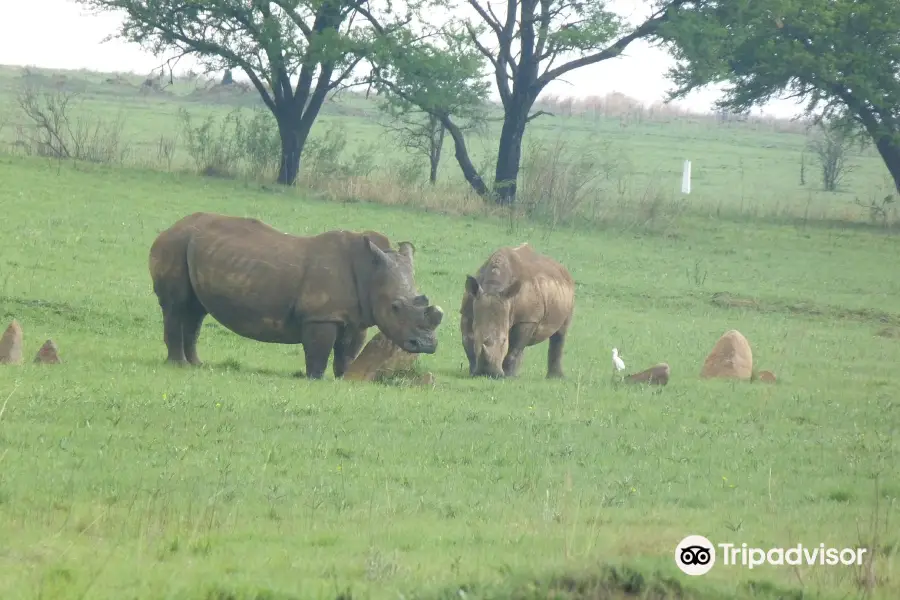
<point>889,150</point>
<point>294,132</point>
<point>432,175</point>
<point>437,144</point>
<point>462,157</point>
<point>509,153</point>
<point>885,132</point>
<point>290,150</point>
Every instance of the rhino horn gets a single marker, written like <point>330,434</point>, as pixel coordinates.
<point>434,314</point>
<point>375,250</point>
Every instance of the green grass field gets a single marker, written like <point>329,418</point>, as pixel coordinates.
<point>121,477</point>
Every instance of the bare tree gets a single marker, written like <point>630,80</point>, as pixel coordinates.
<point>423,133</point>
<point>57,133</point>
<point>831,144</point>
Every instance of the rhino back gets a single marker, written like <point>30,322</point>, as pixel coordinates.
<point>263,284</point>
<point>547,296</point>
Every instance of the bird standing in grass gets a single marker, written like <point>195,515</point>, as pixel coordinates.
<point>618,365</point>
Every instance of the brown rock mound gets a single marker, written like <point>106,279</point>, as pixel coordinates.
<point>381,359</point>
<point>425,379</point>
<point>730,358</point>
<point>766,376</point>
<point>655,375</point>
<point>11,345</point>
<point>48,354</point>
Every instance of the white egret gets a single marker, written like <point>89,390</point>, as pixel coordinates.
<point>618,365</point>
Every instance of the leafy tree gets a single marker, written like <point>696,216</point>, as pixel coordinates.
<point>317,42</point>
<point>525,47</point>
<point>440,74</point>
<point>841,57</point>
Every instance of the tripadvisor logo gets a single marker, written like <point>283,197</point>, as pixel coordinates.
<point>696,555</point>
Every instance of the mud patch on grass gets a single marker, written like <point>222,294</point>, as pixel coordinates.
<point>612,583</point>
<point>38,310</point>
<point>892,333</point>
<point>218,593</point>
<point>727,300</point>
<point>62,309</point>
<point>607,583</point>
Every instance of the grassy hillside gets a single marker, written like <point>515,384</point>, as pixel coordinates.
<point>122,477</point>
<point>604,160</point>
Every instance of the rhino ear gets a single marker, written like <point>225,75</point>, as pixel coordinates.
<point>377,253</point>
<point>512,289</point>
<point>472,285</point>
<point>420,300</point>
<point>407,249</point>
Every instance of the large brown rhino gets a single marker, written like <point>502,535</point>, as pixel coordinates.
<point>322,291</point>
<point>518,299</point>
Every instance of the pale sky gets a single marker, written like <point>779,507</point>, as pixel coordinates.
<point>61,34</point>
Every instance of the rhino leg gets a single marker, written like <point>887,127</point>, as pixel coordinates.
<point>512,362</point>
<point>318,339</point>
<point>469,348</point>
<point>346,348</point>
<point>181,328</point>
<point>465,329</point>
<point>555,352</point>
<point>519,337</point>
<point>182,311</point>
<point>173,336</point>
<point>190,330</point>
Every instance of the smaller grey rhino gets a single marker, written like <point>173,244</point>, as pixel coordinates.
<point>519,298</point>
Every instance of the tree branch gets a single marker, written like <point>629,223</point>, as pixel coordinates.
<point>489,18</point>
<point>647,28</point>
<point>345,74</point>
<point>293,16</point>
<point>507,38</point>
<point>527,38</point>
<point>504,34</point>
<point>170,62</point>
<point>212,48</point>
<point>538,114</point>
<point>499,72</point>
<point>376,24</point>
<point>544,29</point>
<point>280,81</point>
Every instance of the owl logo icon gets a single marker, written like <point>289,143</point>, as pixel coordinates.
<point>695,555</point>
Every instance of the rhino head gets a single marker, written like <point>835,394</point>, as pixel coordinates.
<point>491,314</point>
<point>401,313</point>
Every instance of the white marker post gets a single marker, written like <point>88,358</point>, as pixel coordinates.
<point>686,178</point>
